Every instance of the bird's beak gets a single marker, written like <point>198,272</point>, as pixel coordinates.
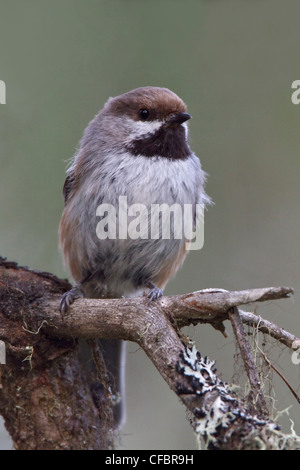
<point>178,119</point>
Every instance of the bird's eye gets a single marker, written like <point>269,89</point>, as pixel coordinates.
<point>144,114</point>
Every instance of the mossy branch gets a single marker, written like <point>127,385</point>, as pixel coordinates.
<point>46,402</point>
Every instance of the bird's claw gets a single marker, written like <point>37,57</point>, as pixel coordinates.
<point>155,293</point>
<point>69,298</point>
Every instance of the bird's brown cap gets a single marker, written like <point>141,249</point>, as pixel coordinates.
<point>160,102</point>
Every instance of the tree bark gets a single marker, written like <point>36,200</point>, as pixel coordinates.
<point>46,398</point>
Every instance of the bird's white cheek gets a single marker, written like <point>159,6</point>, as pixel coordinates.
<point>186,129</point>
<point>138,129</point>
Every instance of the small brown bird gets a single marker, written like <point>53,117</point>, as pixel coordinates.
<point>136,147</point>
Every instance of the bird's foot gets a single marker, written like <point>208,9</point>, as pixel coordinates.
<point>69,298</point>
<point>155,292</point>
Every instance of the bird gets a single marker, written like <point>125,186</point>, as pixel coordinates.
<point>135,148</point>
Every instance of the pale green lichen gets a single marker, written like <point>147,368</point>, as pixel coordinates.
<point>225,409</point>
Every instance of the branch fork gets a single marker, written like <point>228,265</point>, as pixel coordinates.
<point>30,317</point>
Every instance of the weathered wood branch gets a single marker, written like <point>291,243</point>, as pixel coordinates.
<point>45,396</point>
<point>250,367</point>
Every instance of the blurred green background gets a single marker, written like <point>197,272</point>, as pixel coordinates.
<point>233,63</point>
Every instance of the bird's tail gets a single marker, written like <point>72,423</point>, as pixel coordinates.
<point>114,356</point>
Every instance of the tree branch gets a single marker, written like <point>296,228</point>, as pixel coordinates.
<point>30,317</point>
<point>252,373</point>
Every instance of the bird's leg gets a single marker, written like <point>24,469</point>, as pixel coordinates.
<point>69,297</point>
<point>75,293</point>
<point>155,292</point>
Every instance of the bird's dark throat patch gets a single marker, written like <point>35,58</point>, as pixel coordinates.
<point>168,142</point>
